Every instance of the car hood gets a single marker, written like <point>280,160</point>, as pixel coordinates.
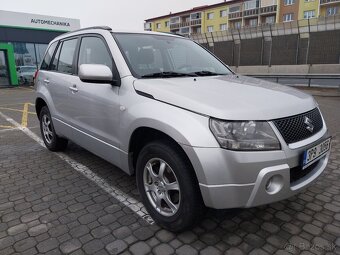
<point>230,97</point>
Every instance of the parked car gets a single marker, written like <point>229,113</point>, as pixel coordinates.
<point>194,133</point>
<point>26,74</point>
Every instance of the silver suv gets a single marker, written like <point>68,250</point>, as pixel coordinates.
<point>166,110</point>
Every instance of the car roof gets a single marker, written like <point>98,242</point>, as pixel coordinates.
<point>105,28</point>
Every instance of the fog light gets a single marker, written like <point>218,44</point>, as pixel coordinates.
<point>274,184</point>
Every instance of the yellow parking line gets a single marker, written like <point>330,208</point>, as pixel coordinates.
<point>16,110</point>
<point>9,127</point>
<point>24,116</point>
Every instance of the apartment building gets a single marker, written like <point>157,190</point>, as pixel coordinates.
<point>240,13</point>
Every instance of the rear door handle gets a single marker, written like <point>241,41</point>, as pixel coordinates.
<point>73,89</point>
<point>46,81</point>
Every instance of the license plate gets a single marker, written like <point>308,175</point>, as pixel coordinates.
<point>314,153</point>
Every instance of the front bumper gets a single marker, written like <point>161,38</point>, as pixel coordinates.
<point>231,179</point>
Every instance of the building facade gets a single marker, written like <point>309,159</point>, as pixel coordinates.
<point>241,13</point>
<point>23,40</point>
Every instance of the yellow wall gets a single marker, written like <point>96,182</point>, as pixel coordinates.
<point>216,21</point>
<point>308,6</point>
<point>162,22</point>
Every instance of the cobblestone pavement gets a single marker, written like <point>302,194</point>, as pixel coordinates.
<point>49,207</point>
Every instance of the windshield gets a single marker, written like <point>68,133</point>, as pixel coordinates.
<point>28,69</point>
<point>154,56</point>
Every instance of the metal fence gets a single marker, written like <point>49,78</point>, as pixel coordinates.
<point>299,42</point>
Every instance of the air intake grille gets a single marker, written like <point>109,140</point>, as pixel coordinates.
<point>294,129</point>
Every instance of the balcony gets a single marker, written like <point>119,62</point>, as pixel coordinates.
<point>196,22</point>
<point>324,2</point>
<point>174,26</point>
<point>268,9</point>
<point>235,15</point>
<point>251,12</point>
<point>185,24</point>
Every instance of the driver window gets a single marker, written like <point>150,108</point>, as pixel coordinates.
<point>94,51</point>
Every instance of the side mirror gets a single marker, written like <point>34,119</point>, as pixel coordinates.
<point>94,73</point>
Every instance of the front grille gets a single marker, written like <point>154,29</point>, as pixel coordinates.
<point>296,173</point>
<point>293,129</point>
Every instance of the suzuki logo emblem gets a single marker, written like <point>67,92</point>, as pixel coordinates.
<point>309,124</point>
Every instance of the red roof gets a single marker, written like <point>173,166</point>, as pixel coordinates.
<point>198,8</point>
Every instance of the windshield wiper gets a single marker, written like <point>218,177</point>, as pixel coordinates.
<point>206,73</point>
<point>168,75</point>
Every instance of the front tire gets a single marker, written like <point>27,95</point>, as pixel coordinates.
<point>168,186</point>
<point>52,141</point>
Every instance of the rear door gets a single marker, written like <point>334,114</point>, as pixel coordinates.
<point>61,80</point>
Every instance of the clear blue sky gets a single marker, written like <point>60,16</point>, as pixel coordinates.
<point>122,14</point>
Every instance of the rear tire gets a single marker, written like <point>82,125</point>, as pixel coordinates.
<point>171,195</point>
<point>52,141</point>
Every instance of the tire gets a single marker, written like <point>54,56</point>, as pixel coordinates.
<point>187,199</point>
<point>52,141</point>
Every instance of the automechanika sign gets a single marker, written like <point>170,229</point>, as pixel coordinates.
<point>36,21</point>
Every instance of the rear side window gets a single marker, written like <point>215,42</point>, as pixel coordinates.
<point>48,56</point>
<point>93,51</point>
<point>65,63</point>
<point>54,64</point>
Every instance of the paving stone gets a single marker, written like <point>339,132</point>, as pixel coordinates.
<point>234,251</point>
<point>258,251</point>
<point>291,228</point>
<point>269,227</point>
<point>332,229</point>
<point>100,232</point>
<point>70,246</point>
<point>165,235</point>
<point>312,229</point>
<point>187,237</point>
<point>140,248</point>
<point>24,245</point>
<point>186,250</point>
<point>163,249</point>
<point>232,240</point>
<point>254,240</point>
<point>210,238</point>
<point>210,250</point>
<point>17,229</point>
<point>6,242</point>
<point>93,246</point>
<point>143,233</point>
<point>116,247</point>
<point>122,232</point>
<point>47,245</point>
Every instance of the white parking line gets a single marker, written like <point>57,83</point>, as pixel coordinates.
<point>115,192</point>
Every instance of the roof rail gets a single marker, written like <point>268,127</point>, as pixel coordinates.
<point>95,27</point>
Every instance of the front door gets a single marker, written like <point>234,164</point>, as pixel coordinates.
<point>4,74</point>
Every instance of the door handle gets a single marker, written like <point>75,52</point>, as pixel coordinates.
<point>73,89</point>
<point>46,81</point>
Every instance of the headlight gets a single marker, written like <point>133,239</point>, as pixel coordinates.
<point>244,135</point>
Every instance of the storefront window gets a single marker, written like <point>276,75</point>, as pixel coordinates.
<point>24,54</point>
<point>40,50</point>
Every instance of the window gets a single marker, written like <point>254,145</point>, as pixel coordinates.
<point>288,17</point>
<point>237,24</point>
<point>270,20</point>
<point>93,51</point>
<point>147,54</point>
<point>223,13</point>
<point>54,64</point>
<point>250,5</point>
<point>234,9</point>
<point>289,2</point>
<point>223,27</point>
<point>174,20</point>
<point>48,57</point>
<point>158,25</point>
<point>309,1</point>
<point>253,22</point>
<point>210,15</point>
<point>309,14</point>
<point>167,23</point>
<point>65,63</point>
<point>331,11</point>
<point>194,16</point>
<point>210,29</point>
